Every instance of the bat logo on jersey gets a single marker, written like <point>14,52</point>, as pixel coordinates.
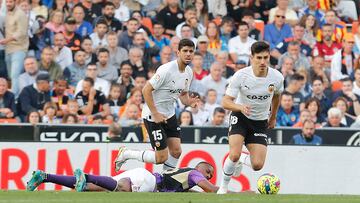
<point>271,88</point>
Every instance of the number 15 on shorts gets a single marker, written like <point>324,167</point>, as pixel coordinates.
<point>157,134</point>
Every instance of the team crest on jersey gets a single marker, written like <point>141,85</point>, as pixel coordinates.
<point>271,88</point>
<point>157,77</point>
<point>157,144</point>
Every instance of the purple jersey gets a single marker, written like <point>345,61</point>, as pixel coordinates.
<point>178,180</point>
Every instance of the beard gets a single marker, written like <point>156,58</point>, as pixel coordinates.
<point>109,17</point>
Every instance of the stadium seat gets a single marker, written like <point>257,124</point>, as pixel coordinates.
<point>354,27</point>
<point>8,120</point>
<point>336,85</point>
<point>260,25</point>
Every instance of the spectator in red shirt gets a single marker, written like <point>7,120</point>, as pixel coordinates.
<point>197,62</point>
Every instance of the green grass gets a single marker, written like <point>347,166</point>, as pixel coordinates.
<point>45,196</point>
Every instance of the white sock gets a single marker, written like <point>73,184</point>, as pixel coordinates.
<point>228,170</point>
<point>170,163</point>
<point>143,156</point>
<point>245,159</point>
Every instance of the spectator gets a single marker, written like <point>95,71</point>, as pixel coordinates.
<point>217,43</point>
<point>50,111</point>
<point>48,64</point>
<point>304,115</point>
<point>136,60</point>
<point>60,5</point>
<point>76,71</point>
<point>122,12</point>
<point>98,38</point>
<point>190,13</point>
<point>293,88</point>
<point>42,38</point>
<point>318,93</point>
<point>150,52</point>
<point>223,58</point>
<point>134,98</point>
<point>311,27</point>
<point>70,119</point>
<point>165,57</point>
<point>356,83</point>
<point>106,70</point>
<point>218,118</point>
<point>117,54</point>
<point>249,18</point>
<point>210,104</point>
<point>174,44</point>
<point>91,100</point>
<point>277,31</point>
<point>108,15</point>
<point>97,120</point>
<point>16,42</point>
<point>33,97</point>
<point>7,101</point>
<point>197,67</point>
<point>86,45</point>
<point>234,10</point>
<point>187,33</point>
<point>126,37</point>
<point>115,99</point>
<point>294,51</point>
<point>312,9</point>
<point>226,29</point>
<point>185,118</point>
<point>215,81</point>
<point>56,22</point>
<point>30,74</point>
<point>318,69</point>
<point>99,83</point>
<point>346,119</point>
<point>84,28</point>
<point>326,47</point>
<point>92,10</point>
<point>200,116</point>
<point>217,8</point>
<point>33,117</point>
<point>313,105</point>
<point>38,8</point>
<point>308,136</point>
<point>334,118</point>
<point>125,79</point>
<point>298,36</point>
<point>338,29</point>
<point>59,96</point>
<point>289,14</point>
<point>130,117</point>
<point>139,16</point>
<point>73,39</point>
<point>287,114</point>
<point>63,54</point>
<point>343,61</point>
<point>208,58</point>
<point>239,46</point>
<point>202,11</point>
<point>140,81</point>
<point>305,84</point>
<point>287,68</point>
<point>171,16</point>
<point>158,38</point>
<point>352,99</point>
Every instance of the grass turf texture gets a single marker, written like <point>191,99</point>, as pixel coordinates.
<point>45,196</point>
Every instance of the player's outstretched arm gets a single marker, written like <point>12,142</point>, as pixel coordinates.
<point>274,109</point>
<point>207,186</point>
<point>229,104</point>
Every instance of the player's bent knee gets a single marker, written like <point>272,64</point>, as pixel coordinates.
<point>234,157</point>
<point>176,153</point>
<point>257,166</point>
<point>161,156</point>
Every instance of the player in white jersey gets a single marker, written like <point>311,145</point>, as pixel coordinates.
<point>170,82</point>
<point>257,89</point>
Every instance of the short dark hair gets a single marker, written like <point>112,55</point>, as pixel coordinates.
<point>227,19</point>
<point>242,23</point>
<point>185,25</point>
<point>108,3</point>
<point>308,121</point>
<point>103,50</point>
<point>203,162</point>
<point>137,11</point>
<point>318,78</point>
<point>186,43</point>
<point>297,77</point>
<point>125,63</point>
<point>91,64</point>
<point>347,79</point>
<point>197,54</point>
<point>133,19</point>
<point>157,22</point>
<point>286,93</point>
<point>247,12</point>
<point>327,25</point>
<point>219,110</point>
<point>90,80</point>
<point>260,46</point>
<point>190,7</point>
<point>101,21</point>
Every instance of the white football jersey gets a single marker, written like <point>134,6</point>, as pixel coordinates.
<point>168,83</point>
<point>257,92</point>
<point>141,179</point>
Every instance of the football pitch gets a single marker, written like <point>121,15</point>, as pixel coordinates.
<point>42,196</point>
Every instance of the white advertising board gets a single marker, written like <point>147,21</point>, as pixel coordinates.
<point>302,169</point>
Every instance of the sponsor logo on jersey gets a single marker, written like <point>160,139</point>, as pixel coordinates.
<point>271,88</point>
<point>176,91</point>
<point>258,97</point>
<point>260,135</point>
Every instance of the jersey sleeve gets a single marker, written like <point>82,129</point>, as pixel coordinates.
<point>191,75</point>
<point>234,86</point>
<point>195,177</point>
<point>280,86</point>
<point>158,78</point>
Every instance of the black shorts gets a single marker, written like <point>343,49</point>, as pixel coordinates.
<point>254,131</point>
<point>159,132</point>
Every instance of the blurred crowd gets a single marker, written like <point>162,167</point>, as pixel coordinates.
<point>71,61</point>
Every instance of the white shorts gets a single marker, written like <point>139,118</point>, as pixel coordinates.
<point>141,180</point>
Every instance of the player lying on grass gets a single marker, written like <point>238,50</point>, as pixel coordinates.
<point>134,180</point>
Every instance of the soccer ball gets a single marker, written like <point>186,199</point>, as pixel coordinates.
<point>268,184</point>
